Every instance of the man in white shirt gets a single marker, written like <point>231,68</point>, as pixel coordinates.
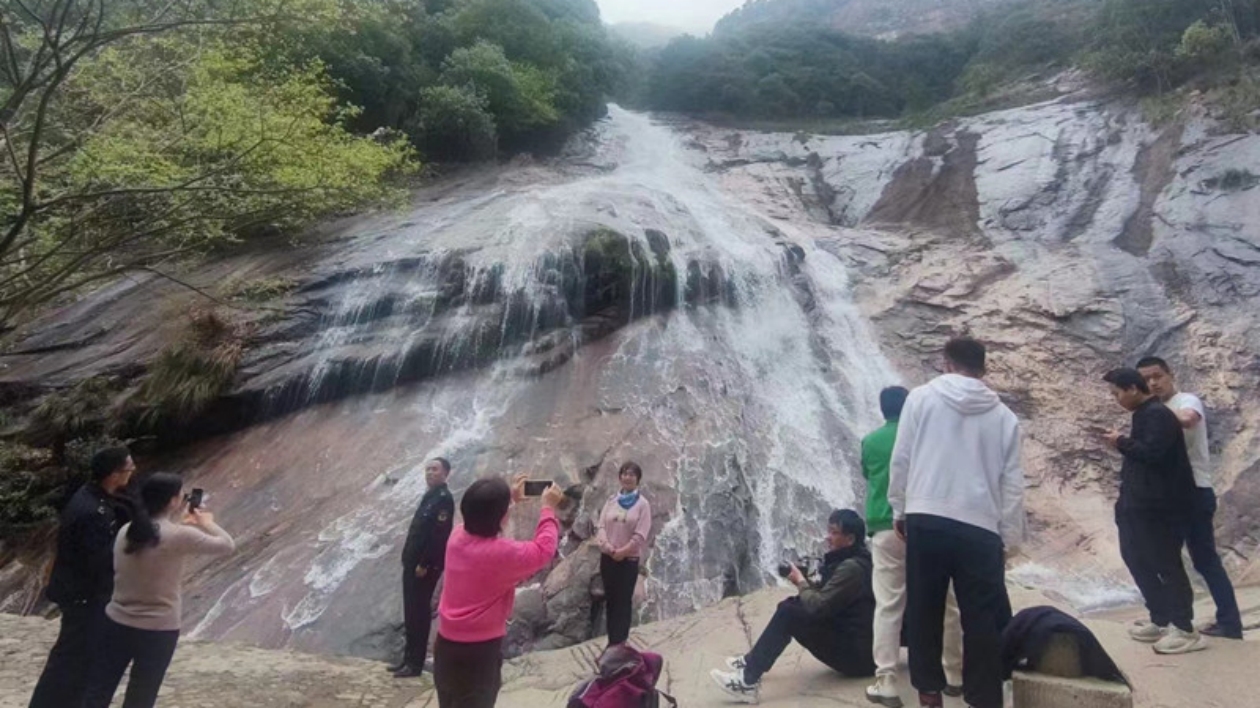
<point>957,493</point>
<point>1201,535</point>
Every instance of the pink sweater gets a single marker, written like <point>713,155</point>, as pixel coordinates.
<point>479,590</point>
<point>619,527</point>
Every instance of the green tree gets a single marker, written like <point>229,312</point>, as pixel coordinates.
<point>455,124</point>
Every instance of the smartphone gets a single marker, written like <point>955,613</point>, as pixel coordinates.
<point>195,499</point>
<point>535,488</point>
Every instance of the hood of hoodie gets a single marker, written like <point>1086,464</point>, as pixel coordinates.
<point>964,394</point>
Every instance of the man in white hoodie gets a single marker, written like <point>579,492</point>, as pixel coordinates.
<point>957,493</point>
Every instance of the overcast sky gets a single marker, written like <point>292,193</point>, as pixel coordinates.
<point>692,15</point>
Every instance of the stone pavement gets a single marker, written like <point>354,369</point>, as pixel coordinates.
<point>206,675</point>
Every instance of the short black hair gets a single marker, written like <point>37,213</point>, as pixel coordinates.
<point>108,461</point>
<point>849,523</point>
<point>446,464</point>
<point>484,505</point>
<point>1148,361</point>
<point>892,400</point>
<point>1126,379</point>
<point>967,354</point>
<point>633,468</point>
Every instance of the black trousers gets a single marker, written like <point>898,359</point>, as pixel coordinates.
<point>1150,544</point>
<point>418,614</point>
<point>467,675</point>
<point>619,579</point>
<point>149,654</point>
<point>1201,543</point>
<point>831,647</point>
<point>940,550</point>
<point>64,679</point>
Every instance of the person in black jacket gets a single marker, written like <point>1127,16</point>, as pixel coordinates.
<point>1152,513</point>
<point>82,577</point>
<point>423,557</point>
<point>833,619</point>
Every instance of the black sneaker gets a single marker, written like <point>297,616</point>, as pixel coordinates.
<point>953,691</point>
<point>407,672</point>
<point>1216,630</point>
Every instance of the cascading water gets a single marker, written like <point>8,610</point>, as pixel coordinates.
<point>730,363</point>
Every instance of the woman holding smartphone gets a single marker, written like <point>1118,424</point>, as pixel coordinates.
<point>482,572</point>
<point>624,525</point>
<point>143,617</point>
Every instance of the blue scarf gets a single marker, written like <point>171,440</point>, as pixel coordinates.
<point>628,499</point>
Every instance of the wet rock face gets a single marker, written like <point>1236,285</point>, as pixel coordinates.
<point>1072,238</point>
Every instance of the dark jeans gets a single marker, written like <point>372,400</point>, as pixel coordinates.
<point>938,551</point>
<point>1150,544</point>
<point>1201,543</point>
<point>418,614</point>
<point>149,654</point>
<point>467,675</point>
<point>619,579</point>
<point>791,621</point>
<point>64,679</point>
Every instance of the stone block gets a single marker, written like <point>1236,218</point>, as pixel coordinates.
<point>1041,691</point>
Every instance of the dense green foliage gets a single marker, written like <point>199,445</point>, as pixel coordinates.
<point>778,60</point>
<point>134,133</point>
<point>465,78</point>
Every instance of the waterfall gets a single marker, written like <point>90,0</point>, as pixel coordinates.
<point>730,362</point>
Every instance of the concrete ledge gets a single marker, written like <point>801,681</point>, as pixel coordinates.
<point>1041,691</point>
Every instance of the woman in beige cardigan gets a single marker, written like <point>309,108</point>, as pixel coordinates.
<point>143,617</point>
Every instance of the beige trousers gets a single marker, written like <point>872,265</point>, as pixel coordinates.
<point>888,552</point>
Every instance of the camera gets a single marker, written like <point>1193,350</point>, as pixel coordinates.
<point>810,567</point>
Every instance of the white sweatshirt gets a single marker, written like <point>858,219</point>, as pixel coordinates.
<point>957,456</point>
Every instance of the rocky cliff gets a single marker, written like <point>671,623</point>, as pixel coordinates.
<point>722,307</point>
<point>1073,237</point>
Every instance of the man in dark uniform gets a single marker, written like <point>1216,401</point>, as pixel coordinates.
<point>423,557</point>
<point>83,576</point>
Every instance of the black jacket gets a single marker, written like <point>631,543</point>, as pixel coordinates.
<point>1025,639</point>
<point>83,571</point>
<point>1156,474</point>
<point>430,530</point>
<point>843,598</point>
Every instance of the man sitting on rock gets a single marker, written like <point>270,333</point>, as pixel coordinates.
<point>833,619</point>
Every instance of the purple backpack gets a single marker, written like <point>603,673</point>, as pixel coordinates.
<point>626,679</point>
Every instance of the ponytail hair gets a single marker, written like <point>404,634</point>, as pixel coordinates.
<point>156,494</point>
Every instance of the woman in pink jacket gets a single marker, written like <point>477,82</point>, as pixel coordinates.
<point>482,572</point>
<point>624,526</point>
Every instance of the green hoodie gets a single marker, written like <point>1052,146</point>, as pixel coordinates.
<point>877,451</point>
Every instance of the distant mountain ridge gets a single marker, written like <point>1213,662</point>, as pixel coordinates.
<point>645,35</point>
<point>875,18</point>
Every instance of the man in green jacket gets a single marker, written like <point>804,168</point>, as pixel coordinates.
<point>830,618</point>
<point>888,554</point>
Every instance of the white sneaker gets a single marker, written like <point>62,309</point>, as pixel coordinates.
<point>1179,641</point>
<point>1147,632</point>
<point>884,691</point>
<point>732,684</point>
<point>736,664</point>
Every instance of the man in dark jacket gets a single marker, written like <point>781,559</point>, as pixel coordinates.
<point>1156,497</point>
<point>832,619</point>
<point>83,576</point>
<point>423,557</point>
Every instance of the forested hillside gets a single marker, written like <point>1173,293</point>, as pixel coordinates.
<point>136,132</point>
<point>786,58</point>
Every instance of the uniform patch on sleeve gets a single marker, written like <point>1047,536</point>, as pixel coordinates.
<point>443,517</point>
